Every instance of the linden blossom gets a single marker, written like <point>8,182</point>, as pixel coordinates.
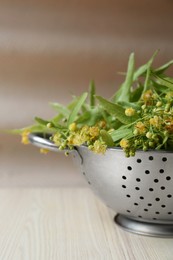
<point>25,134</point>
<point>138,116</point>
<point>130,111</point>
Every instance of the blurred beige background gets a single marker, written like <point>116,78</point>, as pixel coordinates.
<point>50,50</point>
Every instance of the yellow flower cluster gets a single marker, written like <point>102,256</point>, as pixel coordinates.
<point>82,135</point>
<point>57,139</point>
<point>169,95</point>
<point>73,127</point>
<point>147,97</point>
<point>24,135</point>
<point>94,132</point>
<point>124,143</point>
<point>140,128</point>
<point>155,121</point>
<point>44,151</point>
<point>130,111</point>
<point>169,125</point>
<point>76,136</point>
<point>98,147</point>
<point>154,129</point>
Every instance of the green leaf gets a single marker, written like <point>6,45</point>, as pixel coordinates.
<point>90,117</point>
<point>33,129</point>
<point>129,104</point>
<point>85,108</point>
<point>116,124</point>
<point>164,67</point>
<point>159,88</point>
<point>41,121</point>
<point>84,118</point>
<point>136,94</point>
<point>121,133</point>
<point>147,79</point>
<point>38,128</point>
<point>61,109</point>
<point>77,108</point>
<point>170,80</point>
<point>44,123</point>
<point>163,81</point>
<point>55,120</point>
<point>106,137</point>
<point>140,71</point>
<point>163,143</point>
<point>123,94</point>
<point>116,110</point>
<point>92,93</point>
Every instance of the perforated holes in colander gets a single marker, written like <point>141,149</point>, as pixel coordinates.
<point>139,199</point>
<point>164,159</point>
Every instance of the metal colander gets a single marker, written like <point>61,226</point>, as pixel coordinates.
<point>139,189</point>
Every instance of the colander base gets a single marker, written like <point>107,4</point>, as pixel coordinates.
<point>144,228</point>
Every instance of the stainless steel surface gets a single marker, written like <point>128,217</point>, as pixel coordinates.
<point>144,228</point>
<point>140,187</point>
<point>43,142</point>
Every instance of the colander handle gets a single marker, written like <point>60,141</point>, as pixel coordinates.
<point>43,141</point>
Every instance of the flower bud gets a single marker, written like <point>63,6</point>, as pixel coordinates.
<point>167,107</point>
<point>72,127</point>
<point>143,107</point>
<point>132,153</point>
<point>136,132</point>
<point>129,111</point>
<point>145,148</point>
<point>151,144</point>
<point>158,104</point>
<point>149,135</point>
<point>49,125</point>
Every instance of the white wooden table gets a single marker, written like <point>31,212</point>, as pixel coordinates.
<point>68,223</point>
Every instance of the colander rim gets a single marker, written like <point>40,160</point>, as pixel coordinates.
<point>38,137</point>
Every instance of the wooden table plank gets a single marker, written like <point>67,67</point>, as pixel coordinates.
<point>68,223</point>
